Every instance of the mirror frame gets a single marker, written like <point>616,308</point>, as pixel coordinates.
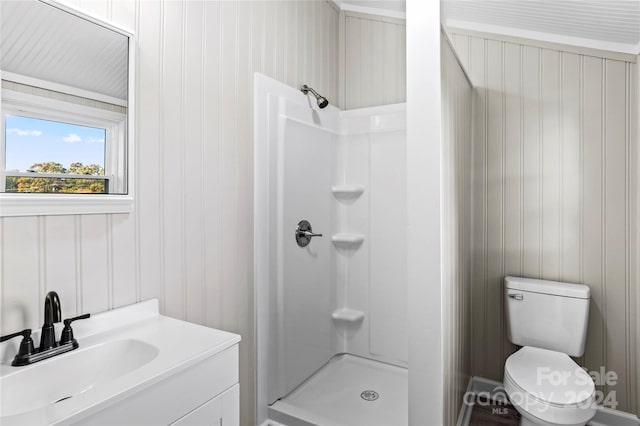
<point>33,204</point>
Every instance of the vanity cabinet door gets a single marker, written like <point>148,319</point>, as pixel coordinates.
<point>223,410</point>
<point>231,407</point>
<point>208,414</point>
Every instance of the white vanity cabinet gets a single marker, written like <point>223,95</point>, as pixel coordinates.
<point>204,394</point>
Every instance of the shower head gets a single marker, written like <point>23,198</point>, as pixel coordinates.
<point>322,101</point>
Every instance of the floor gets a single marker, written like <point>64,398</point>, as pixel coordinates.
<point>348,391</point>
<point>487,412</point>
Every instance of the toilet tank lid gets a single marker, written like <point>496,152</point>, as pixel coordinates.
<point>555,288</point>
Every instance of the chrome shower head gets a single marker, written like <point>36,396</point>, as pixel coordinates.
<point>322,101</point>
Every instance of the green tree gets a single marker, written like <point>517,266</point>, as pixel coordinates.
<point>80,169</point>
<point>59,184</point>
<point>11,185</point>
<point>50,167</point>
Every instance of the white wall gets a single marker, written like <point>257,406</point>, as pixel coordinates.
<point>372,60</point>
<point>555,192</point>
<point>636,213</point>
<point>456,228</point>
<point>424,123</point>
<point>189,240</point>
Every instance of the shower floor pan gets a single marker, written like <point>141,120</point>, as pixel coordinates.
<point>347,391</point>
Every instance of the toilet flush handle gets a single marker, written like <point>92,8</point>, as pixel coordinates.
<point>516,296</point>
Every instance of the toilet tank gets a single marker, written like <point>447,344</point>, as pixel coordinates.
<point>547,314</point>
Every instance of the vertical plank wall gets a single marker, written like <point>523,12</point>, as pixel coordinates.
<point>554,194</point>
<point>372,60</point>
<point>189,240</point>
<point>456,229</point>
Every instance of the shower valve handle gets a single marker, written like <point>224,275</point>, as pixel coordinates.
<point>304,233</point>
<point>309,234</point>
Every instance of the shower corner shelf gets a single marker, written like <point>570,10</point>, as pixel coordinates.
<point>347,191</point>
<point>347,239</point>
<point>347,315</point>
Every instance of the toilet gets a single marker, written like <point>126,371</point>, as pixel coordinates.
<point>549,320</point>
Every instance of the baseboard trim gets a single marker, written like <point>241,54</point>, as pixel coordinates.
<point>608,417</point>
<point>465,413</point>
<point>604,416</point>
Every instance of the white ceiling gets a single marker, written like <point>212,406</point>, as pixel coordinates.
<point>602,24</point>
<point>42,42</point>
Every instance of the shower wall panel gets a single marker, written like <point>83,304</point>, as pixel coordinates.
<point>371,277</point>
<point>295,151</point>
<point>305,291</point>
<point>388,254</point>
<point>346,291</point>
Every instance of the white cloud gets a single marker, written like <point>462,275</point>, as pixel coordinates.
<point>94,140</point>
<point>72,138</point>
<point>21,132</point>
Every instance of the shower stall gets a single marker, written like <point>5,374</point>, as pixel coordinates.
<point>330,260</point>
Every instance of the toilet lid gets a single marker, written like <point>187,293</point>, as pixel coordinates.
<point>549,376</point>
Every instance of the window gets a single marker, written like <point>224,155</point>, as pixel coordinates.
<point>53,157</point>
<point>57,147</point>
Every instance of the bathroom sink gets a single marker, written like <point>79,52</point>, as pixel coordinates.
<point>124,354</point>
<point>67,376</point>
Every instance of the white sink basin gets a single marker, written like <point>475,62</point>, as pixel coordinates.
<point>122,353</point>
<point>60,378</point>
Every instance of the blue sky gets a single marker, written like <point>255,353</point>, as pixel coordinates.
<point>31,140</point>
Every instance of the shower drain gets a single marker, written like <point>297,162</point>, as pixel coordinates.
<point>369,395</point>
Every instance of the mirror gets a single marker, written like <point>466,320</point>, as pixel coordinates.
<point>66,80</point>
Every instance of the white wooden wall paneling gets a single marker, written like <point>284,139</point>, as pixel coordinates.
<point>456,155</point>
<point>373,66</point>
<point>554,190</point>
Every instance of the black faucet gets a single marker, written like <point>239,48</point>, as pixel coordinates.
<point>27,354</point>
<point>52,314</point>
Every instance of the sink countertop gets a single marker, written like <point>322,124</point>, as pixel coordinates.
<point>179,345</point>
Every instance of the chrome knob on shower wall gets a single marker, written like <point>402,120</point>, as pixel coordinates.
<point>304,233</point>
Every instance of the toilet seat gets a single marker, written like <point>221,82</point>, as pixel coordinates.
<point>550,386</point>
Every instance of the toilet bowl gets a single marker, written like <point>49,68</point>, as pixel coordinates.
<point>549,388</point>
<point>549,320</point>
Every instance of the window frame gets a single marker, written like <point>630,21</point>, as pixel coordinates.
<point>117,200</point>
